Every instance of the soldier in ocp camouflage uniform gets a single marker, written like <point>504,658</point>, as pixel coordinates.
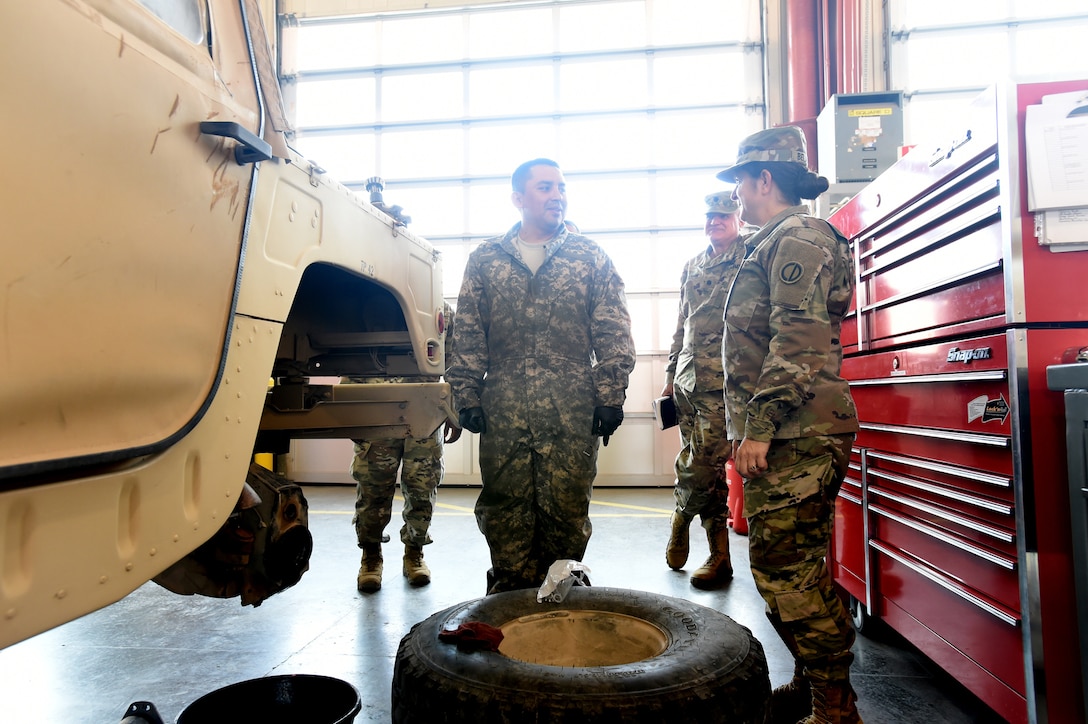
<point>694,378</point>
<point>790,414</point>
<point>374,469</point>
<point>542,354</point>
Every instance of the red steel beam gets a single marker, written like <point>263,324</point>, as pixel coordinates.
<point>803,61</point>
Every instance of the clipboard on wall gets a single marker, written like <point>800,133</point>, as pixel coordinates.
<point>664,412</point>
<point>1056,145</point>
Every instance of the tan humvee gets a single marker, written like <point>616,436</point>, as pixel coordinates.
<point>172,277</point>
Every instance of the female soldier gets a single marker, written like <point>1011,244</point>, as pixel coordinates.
<point>791,418</point>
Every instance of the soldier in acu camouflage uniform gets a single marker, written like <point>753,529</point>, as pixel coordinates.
<point>790,414</point>
<point>374,469</point>
<point>694,378</point>
<point>542,354</point>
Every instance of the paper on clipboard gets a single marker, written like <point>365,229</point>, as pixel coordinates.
<point>1056,140</point>
<point>1063,229</point>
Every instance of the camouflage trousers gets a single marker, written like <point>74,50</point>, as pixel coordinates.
<point>375,472</point>
<point>700,487</point>
<point>790,512</point>
<point>533,509</point>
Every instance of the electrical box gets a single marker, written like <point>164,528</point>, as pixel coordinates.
<point>859,134</point>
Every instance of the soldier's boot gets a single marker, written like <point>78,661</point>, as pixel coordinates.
<point>415,570</point>
<point>370,568</point>
<point>792,701</point>
<point>676,552</point>
<point>717,568</point>
<point>833,702</point>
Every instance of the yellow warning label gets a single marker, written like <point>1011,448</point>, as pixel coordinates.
<point>853,112</point>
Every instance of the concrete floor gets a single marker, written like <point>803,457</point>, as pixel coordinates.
<point>168,649</point>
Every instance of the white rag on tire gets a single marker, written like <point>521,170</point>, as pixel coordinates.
<point>559,580</point>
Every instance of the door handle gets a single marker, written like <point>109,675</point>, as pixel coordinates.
<point>250,148</point>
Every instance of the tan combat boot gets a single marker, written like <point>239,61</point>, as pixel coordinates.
<point>370,569</point>
<point>415,570</point>
<point>676,552</point>
<point>718,567</point>
<point>792,701</point>
<point>833,702</point>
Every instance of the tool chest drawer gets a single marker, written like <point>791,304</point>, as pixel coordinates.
<point>952,530</point>
<point>982,630</point>
<point>934,269</point>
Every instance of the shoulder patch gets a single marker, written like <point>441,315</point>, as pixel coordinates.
<point>791,272</point>
<point>794,271</point>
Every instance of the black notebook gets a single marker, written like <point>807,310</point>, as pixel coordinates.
<point>665,412</point>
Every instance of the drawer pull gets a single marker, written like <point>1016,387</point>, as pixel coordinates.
<point>996,533</point>
<point>936,236</point>
<point>1003,561</point>
<point>968,186</point>
<point>996,506</point>
<point>944,583</point>
<point>849,497</point>
<point>994,440</point>
<point>967,473</point>
<point>931,288</point>
<point>987,376</point>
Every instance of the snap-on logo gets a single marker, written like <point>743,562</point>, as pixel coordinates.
<point>969,355</point>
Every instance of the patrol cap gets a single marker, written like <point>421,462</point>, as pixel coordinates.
<point>782,144</point>
<point>721,203</point>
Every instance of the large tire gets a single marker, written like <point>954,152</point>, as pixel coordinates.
<point>703,666</point>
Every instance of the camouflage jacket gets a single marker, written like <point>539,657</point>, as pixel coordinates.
<point>542,343</point>
<point>783,319</point>
<point>695,358</point>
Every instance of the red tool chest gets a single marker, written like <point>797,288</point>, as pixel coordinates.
<point>952,525</point>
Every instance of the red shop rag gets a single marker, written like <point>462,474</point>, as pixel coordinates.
<point>473,636</point>
<point>736,500</point>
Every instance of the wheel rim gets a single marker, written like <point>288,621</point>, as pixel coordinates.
<point>581,638</point>
<point>858,614</point>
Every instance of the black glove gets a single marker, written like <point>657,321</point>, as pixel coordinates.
<point>472,419</point>
<point>606,420</point>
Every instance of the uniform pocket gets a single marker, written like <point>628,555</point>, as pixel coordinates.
<point>788,514</point>
<point>739,316</point>
<point>801,605</point>
<point>787,486</point>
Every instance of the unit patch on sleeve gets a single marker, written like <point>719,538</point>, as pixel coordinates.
<point>794,270</point>
<point>791,273</point>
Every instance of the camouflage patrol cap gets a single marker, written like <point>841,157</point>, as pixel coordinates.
<point>782,144</point>
<point>721,203</point>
